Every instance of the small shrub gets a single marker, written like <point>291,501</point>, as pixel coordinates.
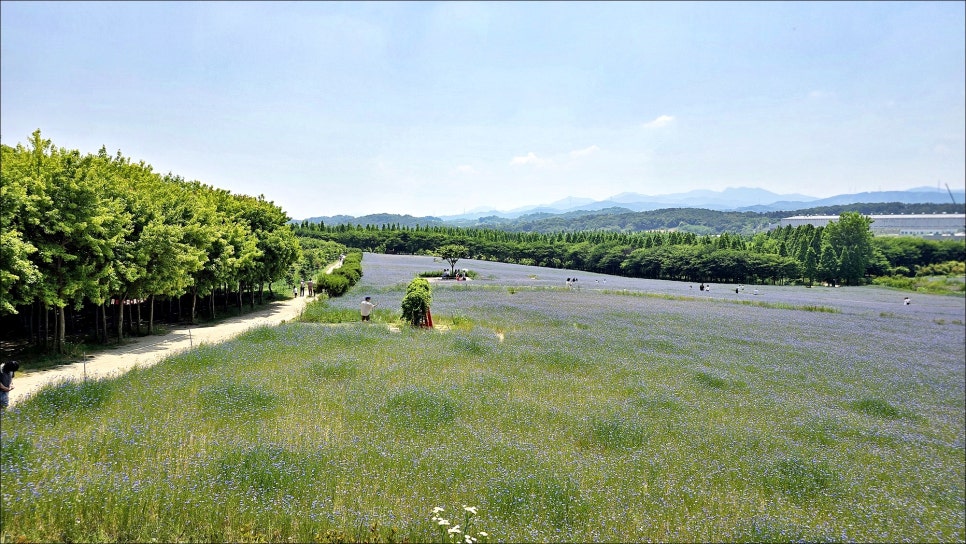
<point>334,370</point>
<point>235,399</point>
<point>470,346</point>
<point>420,409</point>
<point>713,382</point>
<point>800,479</point>
<point>260,335</point>
<point>319,311</point>
<point>71,396</point>
<point>613,432</point>
<point>265,470</point>
<point>14,451</point>
<point>332,284</point>
<point>541,496</point>
<point>342,278</point>
<point>877,408</point>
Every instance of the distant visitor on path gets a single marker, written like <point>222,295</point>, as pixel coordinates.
<point>366,308</point>
<point>906,301</point>
<point>6,382</point>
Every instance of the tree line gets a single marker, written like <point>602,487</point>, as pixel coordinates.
<point>100,235</point>
<point>843,252</point>
<point>696,220</point>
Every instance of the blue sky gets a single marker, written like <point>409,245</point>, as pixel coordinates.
<point>439,108</point>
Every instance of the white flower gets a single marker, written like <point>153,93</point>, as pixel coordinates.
<point>443,521</point>
<point>470,509</point>
<point>469,539</point>
<point>454,529</point>
<point>484,534</point>
<point>438,509</point>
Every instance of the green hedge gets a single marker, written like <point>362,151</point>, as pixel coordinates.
<point>343,278</point>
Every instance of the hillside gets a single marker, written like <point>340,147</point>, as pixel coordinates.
<point>617,219</point>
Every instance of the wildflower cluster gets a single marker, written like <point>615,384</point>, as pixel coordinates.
<point>456,533</point>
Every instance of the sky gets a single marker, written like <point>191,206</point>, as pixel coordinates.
<point>426,108</point>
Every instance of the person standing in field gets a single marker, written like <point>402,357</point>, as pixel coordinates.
<point>6,382</point>
<point>366,308</point>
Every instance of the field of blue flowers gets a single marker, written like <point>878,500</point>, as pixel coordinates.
<point>612,409</point>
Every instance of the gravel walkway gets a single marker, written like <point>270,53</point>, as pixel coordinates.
<point>148,350</point>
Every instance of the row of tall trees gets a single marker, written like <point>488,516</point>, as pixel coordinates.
<point>842,252</point>
<point>103,231</point>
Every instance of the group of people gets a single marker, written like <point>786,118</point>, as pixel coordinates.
<point>305,287</point>
<point>458,275</point>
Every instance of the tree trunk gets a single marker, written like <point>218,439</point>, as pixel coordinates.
<point>46,328</point>
<point>61,329</point>
<point>139,319</point>
<point>120,318</point>
<point>151,315</point>
<point>194,303</point>
<point>34,334</point>
<point>104,308</point>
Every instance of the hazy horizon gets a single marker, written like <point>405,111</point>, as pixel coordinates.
<point>437,108</point>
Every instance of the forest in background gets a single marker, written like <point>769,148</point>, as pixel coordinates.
<point>843,252</point>
<point>694,220</point>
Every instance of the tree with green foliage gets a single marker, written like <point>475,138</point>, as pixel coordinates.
<point>19,276</point>
<point>416,303</point>
<point>828,264</point>
<point>452,253</point>
<point>73,225</point>
<point>851,239</point>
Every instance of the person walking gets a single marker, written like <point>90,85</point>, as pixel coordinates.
<point>366,308</point>
<point>6,382</point>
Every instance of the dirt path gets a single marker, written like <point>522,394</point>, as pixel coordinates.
<point>149,350</point>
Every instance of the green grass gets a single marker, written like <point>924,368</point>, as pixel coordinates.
<point>937,285</point>
<point>563,418</point>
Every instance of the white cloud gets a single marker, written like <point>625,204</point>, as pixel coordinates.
<point>584,152</point>
<point>466,169</point>
<point>529,158</point>
<point>661,121</point>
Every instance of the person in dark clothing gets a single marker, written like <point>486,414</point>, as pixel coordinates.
<point>6,381</point>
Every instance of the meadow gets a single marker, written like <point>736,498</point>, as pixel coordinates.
<point>620,410</point>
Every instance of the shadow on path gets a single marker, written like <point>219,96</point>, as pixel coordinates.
<point>146,351</point>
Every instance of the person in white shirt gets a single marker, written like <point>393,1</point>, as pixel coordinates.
<point>366,308</point>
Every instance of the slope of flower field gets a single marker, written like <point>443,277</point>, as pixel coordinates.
<point>618,410</point>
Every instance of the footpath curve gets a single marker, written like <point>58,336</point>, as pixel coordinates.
<point>148,350</point>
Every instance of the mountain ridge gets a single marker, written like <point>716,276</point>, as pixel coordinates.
<point>739,199</point>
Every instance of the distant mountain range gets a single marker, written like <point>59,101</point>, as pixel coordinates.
<point>741,199</point>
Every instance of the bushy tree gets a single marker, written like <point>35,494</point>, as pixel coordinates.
<point>80,230</point>
<point>851,240</point>
<point>416,302</point>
